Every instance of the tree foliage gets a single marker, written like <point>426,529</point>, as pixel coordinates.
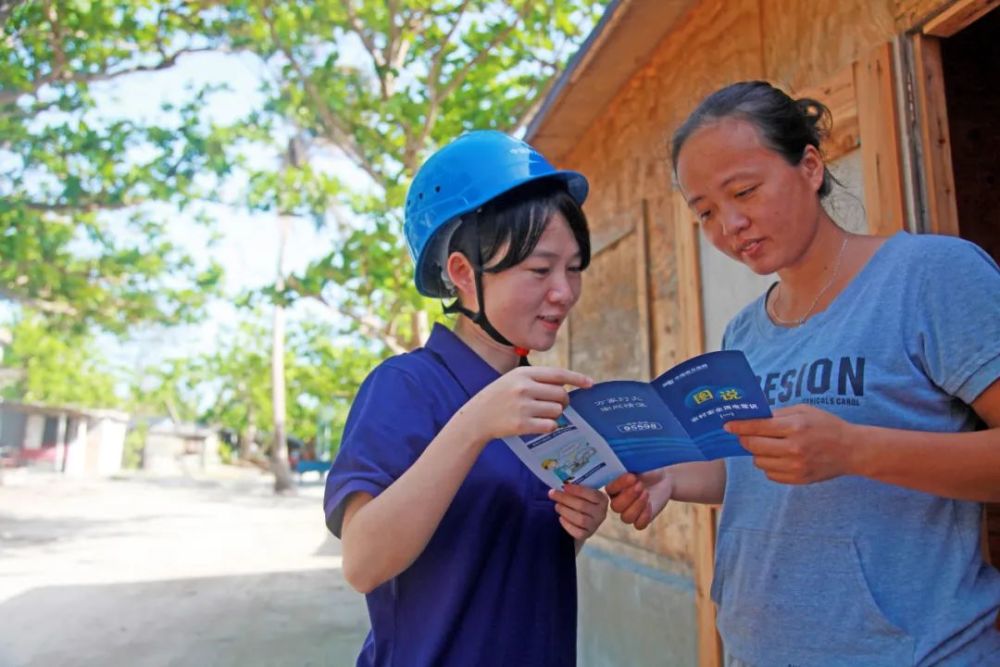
<point>56,368</point>
<point>81,241</point>
<point>374,84</point>
<point>381,83</point>
<point>228,387</point>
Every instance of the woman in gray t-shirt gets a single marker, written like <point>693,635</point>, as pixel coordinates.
<point>852,535</point>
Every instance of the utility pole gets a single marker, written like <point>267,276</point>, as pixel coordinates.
<point>283,482</point>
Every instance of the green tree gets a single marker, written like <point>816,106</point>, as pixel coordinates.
<point>57,368</point>
<point>82,243</point>
<point>235,377</point>
<point>227,387</point>
<point>323,380</point>
<point>376,82</point>
<point>381,83</point>
<point>172,387</point>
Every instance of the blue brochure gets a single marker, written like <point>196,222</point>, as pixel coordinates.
<point>620,426</point>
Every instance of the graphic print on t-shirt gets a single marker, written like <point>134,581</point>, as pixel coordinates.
<point>823,381</point>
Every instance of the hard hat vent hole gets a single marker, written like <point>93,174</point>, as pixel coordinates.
<point>420,196</point>
<point>437,188</point>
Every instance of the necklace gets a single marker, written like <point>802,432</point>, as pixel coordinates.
<point>833,276</point>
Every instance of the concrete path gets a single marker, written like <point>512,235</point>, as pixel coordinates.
<point>135,571</point>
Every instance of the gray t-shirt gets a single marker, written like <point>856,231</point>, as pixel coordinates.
<point>852,571</point>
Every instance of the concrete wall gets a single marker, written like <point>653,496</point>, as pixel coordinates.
<point>76,449</point>
<point>167,453</point>
<point>12,428</point>
<point>634,610</point>
<point>112,446</point>
<point>34,428</point>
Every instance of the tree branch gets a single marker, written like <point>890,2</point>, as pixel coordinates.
<point>6,9</point>
<point>41,305</point>
<point>61,76</point>
<point>88,206</point>
<point>483,54</point>
<point>378,57</point>
<point>395,51</point>
<point>58,37</point>
<point>363,34</point>
<point>414,145</point>
<point>457,79</point>
<point>336,133</point>
<point>368,324</point>
<point>438,62</point>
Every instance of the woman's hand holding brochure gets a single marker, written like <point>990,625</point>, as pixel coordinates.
<point>626,426</point>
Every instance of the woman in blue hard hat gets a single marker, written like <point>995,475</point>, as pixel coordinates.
<point>464,556</point>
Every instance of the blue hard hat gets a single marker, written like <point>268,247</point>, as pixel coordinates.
<point>461,177</point>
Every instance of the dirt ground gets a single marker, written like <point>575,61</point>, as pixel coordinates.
<point>137,571</point>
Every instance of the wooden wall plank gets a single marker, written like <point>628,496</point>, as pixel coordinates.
<point>958,16</point>
<point>692,330</point>
<point>606,320</point>
<point>642,289</point>
<point>838,94</point>
<point>648,294</point>
<point>939,178</point>
<point>709,643</point>
<point>873,81</point>
<point>686,234</point>
<point>605,237</point>
<point>805,43</point>
<point>911,14</point>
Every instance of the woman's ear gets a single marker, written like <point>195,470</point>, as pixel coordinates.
<point>813,167</point>
<point>463,276</point>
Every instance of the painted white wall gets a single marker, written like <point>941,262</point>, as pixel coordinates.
<point>61,438</point>
<point>76,449</point>
<point>34,430</point>
<point>846,205</point>
<point>112,446</point>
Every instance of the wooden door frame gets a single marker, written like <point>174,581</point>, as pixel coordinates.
<point>932,148</point>
<point>958,16</point>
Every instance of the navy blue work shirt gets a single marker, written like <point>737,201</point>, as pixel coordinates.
<point>496,584</point>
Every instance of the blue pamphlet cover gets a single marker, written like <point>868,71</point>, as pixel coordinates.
<point>622,425</point>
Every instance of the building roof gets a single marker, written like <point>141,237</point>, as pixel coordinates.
<point>621,42</point>
<point>189,430</point>
<point>63,410</point>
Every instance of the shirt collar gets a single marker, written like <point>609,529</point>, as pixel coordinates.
<point>471,370</point>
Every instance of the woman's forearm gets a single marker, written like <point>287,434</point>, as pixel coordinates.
<point>383,536</point>
<point>699,482</point>
<point>964,466</point>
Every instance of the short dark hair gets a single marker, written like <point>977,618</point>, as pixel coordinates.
<point>787,126</point>
<point>517,219</point>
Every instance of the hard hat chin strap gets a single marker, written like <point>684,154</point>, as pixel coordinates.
<point>480,318</point>
<point>483,322</point>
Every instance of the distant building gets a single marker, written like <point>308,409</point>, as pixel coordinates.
<point>70,440</point>
<point>178,448</point>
